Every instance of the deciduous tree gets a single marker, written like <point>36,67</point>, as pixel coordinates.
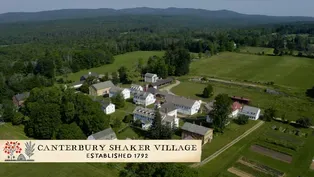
<point>221,112</point>
<point>118,100</point>
<point>70,132</point>
<point>208,91</point>
<point>242,119</point>
<point>269,114</point>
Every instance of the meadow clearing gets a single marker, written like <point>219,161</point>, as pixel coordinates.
<point>285,71</point>
<point>128,60</point>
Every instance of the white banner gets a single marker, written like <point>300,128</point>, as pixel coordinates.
<point>33,151</point>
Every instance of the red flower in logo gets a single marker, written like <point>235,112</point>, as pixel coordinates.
<point>11,148</point>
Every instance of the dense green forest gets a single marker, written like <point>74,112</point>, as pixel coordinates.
<point>32,54</point>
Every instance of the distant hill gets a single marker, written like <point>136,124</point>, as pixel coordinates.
<point>105,12</point>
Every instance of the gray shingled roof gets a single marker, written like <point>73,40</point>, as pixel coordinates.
<point>103,85</point>
<point>141,95</point>
<point>167,107</point>
<point>152,90</point>
<point>144,112</point>
<point>22,96</point>
<point>163,81</point>
<point>195,128</point>
<point>106,134</point>
<point>250,109</point>
<point>149,75</point>
<point>115,89</point>
<point>179,100</point>
<point>105,103</point>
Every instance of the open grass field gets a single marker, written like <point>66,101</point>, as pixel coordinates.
<point>230,158</point>
<point>232,131</point>
<point>256,50</point>
<point>293,108</point>
<point>10,132</point>
<point>128,60</point>
<point>283,71</point>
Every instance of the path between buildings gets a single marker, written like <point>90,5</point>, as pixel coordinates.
<point>217,153</point>
<point>236,83</point>
<point>169,87</point>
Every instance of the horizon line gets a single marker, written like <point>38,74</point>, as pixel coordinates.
<point>117,9</point>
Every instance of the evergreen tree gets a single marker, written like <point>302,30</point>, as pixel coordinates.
<point>159,130</point>
<point>123,74</point>
<point>155,130</point>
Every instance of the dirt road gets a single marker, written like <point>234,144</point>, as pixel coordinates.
<point>236,83</point>
<point>169,87</point>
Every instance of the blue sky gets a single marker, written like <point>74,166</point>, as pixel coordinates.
<point>264,7</point>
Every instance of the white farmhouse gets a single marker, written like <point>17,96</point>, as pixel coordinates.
<point>147,116</point>
<point>184,105</point>
<point>136,88</point>
<point>151,78</point>
<point>144,98</point>
<point>170,110</point>
<point>236,108</point>
<point>108,107</point>
<point>124,91</point>
<point>252,112</point>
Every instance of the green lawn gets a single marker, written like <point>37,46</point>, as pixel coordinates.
<point>299,166</point>
<point>127,60</point>
<point>282,70</point>
<point>232,131</point>
<point>9,132</point>
<point>130,132</point>
<point>294,108</point>
<point>255,50</point>
<point>122,112</point>
<point>58,170</point>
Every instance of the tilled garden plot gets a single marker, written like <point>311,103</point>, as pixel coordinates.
<point>272,153</point>
<point>260,167</point>
<point>289,138</point>
<point>239,173</point>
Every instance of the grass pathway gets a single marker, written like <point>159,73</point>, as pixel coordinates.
<point>217,153</point>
